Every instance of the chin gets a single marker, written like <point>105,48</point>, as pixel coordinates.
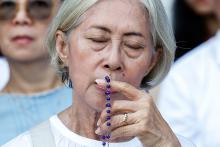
<point>98,106</point>
<point>96,101</point>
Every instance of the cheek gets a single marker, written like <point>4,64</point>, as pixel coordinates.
<point>81,66</point>
<point>82,58</point>
<point>5,44</point>
<point>40,31</point>
<point>78,75</point>
<point>77,66</point>
<point>137,69</point>
<point>3,33</point>
<point>135,72</point>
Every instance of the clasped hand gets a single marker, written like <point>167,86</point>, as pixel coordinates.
<point>143,119</point>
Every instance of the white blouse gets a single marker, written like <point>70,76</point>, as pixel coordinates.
<point>65,138</point>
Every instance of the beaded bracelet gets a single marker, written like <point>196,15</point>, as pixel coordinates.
<point>108,110</point>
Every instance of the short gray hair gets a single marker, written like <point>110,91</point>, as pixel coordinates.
<point>68,18</point>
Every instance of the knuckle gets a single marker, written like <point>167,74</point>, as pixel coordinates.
<point>103,115</point>
<point>124,85</point>
<point>143,129</point>
<point>114,105</point>
<point>116,121</point>
<point>150,99</point>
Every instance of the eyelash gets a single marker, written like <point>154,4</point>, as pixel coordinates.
<point>98,40</point>
<point>103,40</point>
<point>134,47</point>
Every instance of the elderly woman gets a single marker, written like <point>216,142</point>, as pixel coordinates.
<point>131,42</point>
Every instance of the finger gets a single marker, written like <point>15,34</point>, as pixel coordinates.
<point>135,130</point>
<point>142,125</point>
<point>131,92</point>
<point>124,132</point>
<point>119,106</point>
<point>116,121</point>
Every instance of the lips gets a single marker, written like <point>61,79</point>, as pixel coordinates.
<point>22,39</point>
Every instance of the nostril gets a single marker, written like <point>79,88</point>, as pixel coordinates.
<point>119,68</point>
<point>107,66</point>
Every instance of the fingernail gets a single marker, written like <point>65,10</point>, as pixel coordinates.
<point>98,131</point>
<point>99,123</point>
<point>100,81</point>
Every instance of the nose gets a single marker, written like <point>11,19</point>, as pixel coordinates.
<point>21,18</point>
<point>114,60</point>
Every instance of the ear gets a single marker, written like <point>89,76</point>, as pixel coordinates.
<point>62,47</point>
<point>155,59</point>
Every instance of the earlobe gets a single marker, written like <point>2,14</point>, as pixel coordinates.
<point>62,47</point>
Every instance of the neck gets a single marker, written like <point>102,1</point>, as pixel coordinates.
<point>31,77</point>
<point>81,119</point>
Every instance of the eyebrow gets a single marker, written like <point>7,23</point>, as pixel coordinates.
<point>125,34</point>
<point>134,34</point>
<point>102,28</point>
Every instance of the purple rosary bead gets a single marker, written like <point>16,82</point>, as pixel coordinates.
<point>108,86</point>
<point>107,79</point>
<point>108,111</point>
<point>108,99</point>
<point>108,118</point>
<point>108,92</point>
<point>108,105</point>
<point>108,136</point>
<point>103,137</point>
<point>108,124</point>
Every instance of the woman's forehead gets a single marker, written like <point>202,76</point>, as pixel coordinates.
<point>116,11</point>
<point>117,8</point>
<point>129,4</point>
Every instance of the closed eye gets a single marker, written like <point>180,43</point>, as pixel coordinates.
<point>135,47</point>
<point>98,40</point>
<point>133,44</point>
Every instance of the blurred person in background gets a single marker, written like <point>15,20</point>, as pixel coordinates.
<point>194,22</point>
<point>189,96</point>
<point>34,91</point>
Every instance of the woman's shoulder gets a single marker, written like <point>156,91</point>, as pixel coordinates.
<point>23,140</point>
<point>37,133</point>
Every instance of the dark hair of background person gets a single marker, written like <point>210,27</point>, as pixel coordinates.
<point>190,28</point>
